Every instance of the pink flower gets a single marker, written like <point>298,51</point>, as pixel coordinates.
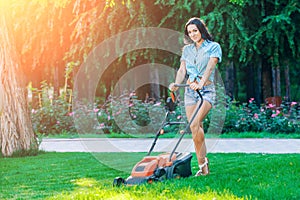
<point>102,125</point>
<point>270,105</point>
<point>275,114</point>
<point>33,111</point>
<point>132,94</point>
<point>57,122</point>
<point>117,113</point>
<point>96,110</point>
<point>71,113</point>
<point>108,117</point>
<point>179,117</point>
<point>251,100</point>
<point>157,104</point>
<point>50,97</point>
<point>130,105</point>
<point>293,103</point>
<point>255,115</point>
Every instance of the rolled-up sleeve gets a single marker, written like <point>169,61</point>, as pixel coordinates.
<point>184,55</point>
<point>216,51</point>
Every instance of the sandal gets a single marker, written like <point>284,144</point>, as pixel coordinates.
<point>205,164</point>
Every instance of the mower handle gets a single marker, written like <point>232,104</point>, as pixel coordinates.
<point>187,85</point>
<point>181,85</point>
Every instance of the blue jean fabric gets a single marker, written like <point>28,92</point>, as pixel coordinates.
<point>208,93</point>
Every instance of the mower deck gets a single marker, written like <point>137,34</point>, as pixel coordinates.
<point>158,168</point>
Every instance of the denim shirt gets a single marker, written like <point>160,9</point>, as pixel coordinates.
<point>197,59</point>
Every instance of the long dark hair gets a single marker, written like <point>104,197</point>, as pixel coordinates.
<point>201,27</point>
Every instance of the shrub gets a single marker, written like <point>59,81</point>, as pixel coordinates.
<point>53,115</point>
<point>251,117</point>
<point>128,114</point>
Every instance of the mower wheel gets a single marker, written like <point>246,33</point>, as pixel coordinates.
<point>176,176</point>
<point>163,177</point>
<point>118,181</point>
<point>150,180</point>
<point>159,172</point>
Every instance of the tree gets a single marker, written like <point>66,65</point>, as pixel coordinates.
<point>16,133</point>
<point>274,36</point>
<point>244,28</point>
<point>42,34</point>
<point>34,40</point>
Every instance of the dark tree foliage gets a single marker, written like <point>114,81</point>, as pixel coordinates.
<point>54,37</point>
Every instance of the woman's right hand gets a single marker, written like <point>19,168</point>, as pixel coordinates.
<point>172,87</point>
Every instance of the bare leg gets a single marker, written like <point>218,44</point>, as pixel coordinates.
<point>197,130</point>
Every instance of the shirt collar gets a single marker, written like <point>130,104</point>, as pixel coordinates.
<point>202,45</point>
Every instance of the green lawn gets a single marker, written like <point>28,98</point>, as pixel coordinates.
<point>85,176</point>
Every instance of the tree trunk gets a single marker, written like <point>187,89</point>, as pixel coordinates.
<point>229,80</point>
<point>250,81</point>
<point>35,101</point>
<point>56,82</point>
<point>16,133</point>
<point>266,80</point>
<point>287,83</point>
<point>155,92</point>
<point>276,81</point>
<point>258,87</point>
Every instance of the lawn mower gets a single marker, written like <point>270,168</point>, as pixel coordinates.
<point>166,165</point>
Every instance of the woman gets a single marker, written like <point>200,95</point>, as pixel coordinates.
<point>198,61</point>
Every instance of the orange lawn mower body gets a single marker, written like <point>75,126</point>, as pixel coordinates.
<point>163,166</point>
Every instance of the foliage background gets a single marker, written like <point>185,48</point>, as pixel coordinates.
<point>258,38</point>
